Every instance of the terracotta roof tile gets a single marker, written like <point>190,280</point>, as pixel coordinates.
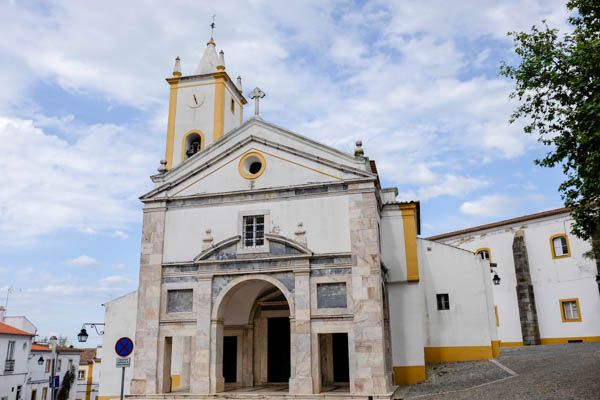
<point>39,347</point>
<point>11,330</point>
<point>87,356</point>
<point>497,224</point>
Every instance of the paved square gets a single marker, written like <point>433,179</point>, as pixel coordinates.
<point>570,371</point>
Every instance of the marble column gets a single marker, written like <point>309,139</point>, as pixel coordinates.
<point>301,381</point>
<point>200,363</point>
<point>145,371</point>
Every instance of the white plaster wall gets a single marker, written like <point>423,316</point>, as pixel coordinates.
<point>37,378</point>
<point>446,269</point>
<point>187,118</point>
<point>393,252</point>
<point>407,323</point>
<point>21,323</point>
<point>325,219</point>
<point>553,279</point>
<point>19,375</point>
<point>119,317</point>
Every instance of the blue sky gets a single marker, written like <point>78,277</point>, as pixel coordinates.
<point>83,120</point>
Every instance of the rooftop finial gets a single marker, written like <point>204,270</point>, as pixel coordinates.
<point>212,26</point>
<point>221,64</point>
<point>177,67</point>
<point>358,150</point>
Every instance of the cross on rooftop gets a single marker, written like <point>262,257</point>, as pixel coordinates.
<point>256,94</point>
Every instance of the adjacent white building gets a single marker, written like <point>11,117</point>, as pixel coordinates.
<point>15,346</point>
<point>548,292</point>
<point>25,367</point>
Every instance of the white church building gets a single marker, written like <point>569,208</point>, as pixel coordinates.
<point>276,266</point>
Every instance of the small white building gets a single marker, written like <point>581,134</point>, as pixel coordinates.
<point>119,318</point>
<point>15,346</point>
<point>548,291</point>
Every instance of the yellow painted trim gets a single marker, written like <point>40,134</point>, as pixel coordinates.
<point>409,222</point>
<point>247,174</point>
<point>484,249</point>
<point>171,121</point>
<point>565,340</point>
<point>88,385</point>
<point>511,344</point>
<point>184,140</point>
<point>497,317</point>
<point>562,310</point>
<point>116,396</point>
<point>457,353</point>
<point>409,375</point>
<point>554,256</point>
<point>219,115</point>
<point>495,348</point>
<point>175,381</point>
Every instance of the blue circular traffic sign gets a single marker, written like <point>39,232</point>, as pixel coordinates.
<point>124,346</point>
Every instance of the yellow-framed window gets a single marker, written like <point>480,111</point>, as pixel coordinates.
<point>559,246</point>
<point>570,311</point>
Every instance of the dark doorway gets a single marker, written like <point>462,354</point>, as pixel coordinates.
<point>278,350</point>
<point>341,370</point>
<point>230,359</point>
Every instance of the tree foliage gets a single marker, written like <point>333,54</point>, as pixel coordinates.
<point>65,386</point>
<point>558,87</point>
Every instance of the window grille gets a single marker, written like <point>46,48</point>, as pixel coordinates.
<point>254,231</point>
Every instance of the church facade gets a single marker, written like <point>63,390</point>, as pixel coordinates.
<point>272,264</point>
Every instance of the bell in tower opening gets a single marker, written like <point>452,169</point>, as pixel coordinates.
<point>193,144</point>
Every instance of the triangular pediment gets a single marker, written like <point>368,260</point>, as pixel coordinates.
<point>288,160</point>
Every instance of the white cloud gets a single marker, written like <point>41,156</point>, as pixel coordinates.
<point>115,281</point>
<point>120,234</point>
<point>89,183</point>
<point>83,261</point>
<point>494,205</point>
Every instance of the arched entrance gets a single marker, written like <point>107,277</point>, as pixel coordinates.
<point>251,340</point>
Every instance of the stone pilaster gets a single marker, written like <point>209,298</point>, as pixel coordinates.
<point>147,325</point>
<point>525,296</point>
<point>301,359</point>
<point>217,383</point>
<point>200,364</point>
<point>371,373</point>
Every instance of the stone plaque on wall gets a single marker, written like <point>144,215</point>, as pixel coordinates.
<point>180,300</point>
<point>331,295</point>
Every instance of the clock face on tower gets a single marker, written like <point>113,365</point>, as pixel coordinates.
<point>195,100</point>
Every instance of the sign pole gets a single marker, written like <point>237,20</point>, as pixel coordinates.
<point>122,381</point>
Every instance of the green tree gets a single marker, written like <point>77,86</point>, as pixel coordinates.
<point>557,83</point>
<point>65,386</point>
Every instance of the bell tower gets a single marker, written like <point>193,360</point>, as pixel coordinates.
<point>202,107</point>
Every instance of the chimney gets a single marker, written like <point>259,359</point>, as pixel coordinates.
<point>2,312</point>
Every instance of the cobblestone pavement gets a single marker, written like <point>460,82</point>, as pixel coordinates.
<point>570,371</point>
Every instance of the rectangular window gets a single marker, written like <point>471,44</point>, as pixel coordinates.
<point>232,106</point>
<point>180,300</point>
<point>254,231</point>
<point>81,374</point>
<point>48,364</point>
<point>45,393</point>
<point>331,295</point>
<point>570,310</point>
<point>560,247</point>
<point>70,364</point>
<point>33,394</point>
<point>10,352</point>
<point>58,365</point>
<point>443,301</point>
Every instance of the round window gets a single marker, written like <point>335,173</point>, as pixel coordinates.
<point>252,165</point>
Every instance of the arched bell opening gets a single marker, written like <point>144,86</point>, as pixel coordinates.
<point>252,336</point>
